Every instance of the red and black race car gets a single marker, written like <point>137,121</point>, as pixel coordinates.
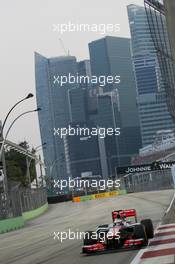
<point>121,234</point>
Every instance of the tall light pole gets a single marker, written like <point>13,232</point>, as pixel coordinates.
<point>20,101</point>
<point>14,121</point>
<point>3,143</point>
<point>40,146</point>
<point>2,158</point>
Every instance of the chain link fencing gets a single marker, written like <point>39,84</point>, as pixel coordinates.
<point>20,200</point>
<point>148,181</point>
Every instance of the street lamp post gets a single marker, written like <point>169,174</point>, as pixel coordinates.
<point>3,142</point>
<point>2,157</point>
<point>14,121</point>
<point>20,101</point>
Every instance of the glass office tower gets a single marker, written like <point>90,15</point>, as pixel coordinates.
<point>151,95</point>
<point>160,17</point>
<point>111,56</point>
<point>53,100</point>
<point>63,106</point>
<point>170,20</point>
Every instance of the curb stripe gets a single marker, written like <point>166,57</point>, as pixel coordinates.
<point>163,241</point>
<point>165,234</point>
<point>158,253</point>
<point>165,227</point>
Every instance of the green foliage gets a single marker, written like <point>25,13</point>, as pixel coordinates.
<point>17,166</point>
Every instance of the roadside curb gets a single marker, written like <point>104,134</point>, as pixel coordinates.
<point>161,249</point>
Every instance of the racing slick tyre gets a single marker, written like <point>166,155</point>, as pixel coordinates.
<point>88,238</point>
<point>147,223</point>
<point>140,232</point>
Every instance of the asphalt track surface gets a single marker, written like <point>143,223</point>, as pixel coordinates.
<point>35,244</point>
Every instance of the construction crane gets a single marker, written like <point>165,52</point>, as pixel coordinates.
<point>63,47</point>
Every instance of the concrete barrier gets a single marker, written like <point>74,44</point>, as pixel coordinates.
<point>14,223</point>
<point>10,224</point>
<point>34,213</point>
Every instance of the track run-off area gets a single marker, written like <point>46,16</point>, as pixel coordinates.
<point>35,242</point>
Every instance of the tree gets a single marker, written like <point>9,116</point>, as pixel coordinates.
<point>17,166</point>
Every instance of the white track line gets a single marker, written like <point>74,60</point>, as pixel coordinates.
<point>170,205</point>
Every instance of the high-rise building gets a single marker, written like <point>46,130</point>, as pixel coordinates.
<point>110,56</point>
<point>84,153</point>
<point>109,117</point>
<point>63,106</point>
<point>160,17</point>
<point>170,19</point>
<point>84,69</point>
<point>102,112</point>
<point>52,98</point>
<point>151,96</point>
<point>78,105</point>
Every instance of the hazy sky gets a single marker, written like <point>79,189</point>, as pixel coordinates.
<point>27,26</point>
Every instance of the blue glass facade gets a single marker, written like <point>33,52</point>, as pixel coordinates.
<point>53,100</point>
<point>112,56</point>
<point>146,74</point>
<point>151,98</point>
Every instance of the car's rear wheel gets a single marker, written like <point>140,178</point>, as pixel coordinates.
<point>147,223</point>
<point>89,238</point>
<point>140,232</point>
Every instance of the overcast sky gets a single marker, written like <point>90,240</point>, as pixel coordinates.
<point>27,26</point>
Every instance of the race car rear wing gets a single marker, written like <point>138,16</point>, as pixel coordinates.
<point>120,214</point>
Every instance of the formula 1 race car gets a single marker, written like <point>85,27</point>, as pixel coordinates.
<point>121,234</point>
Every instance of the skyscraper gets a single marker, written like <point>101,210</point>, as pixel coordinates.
<point>160,17</point>
<point>84,69</point>
<point>84,152</point>
<point>78,105</point>
<point>53,100</point>
<point>170,19</point>
<point>66,105</point>
<point>110,56</point>
<point>151,96</point>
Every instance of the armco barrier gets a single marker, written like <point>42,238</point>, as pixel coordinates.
<point>10,224</point>
<point>98,196</point>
